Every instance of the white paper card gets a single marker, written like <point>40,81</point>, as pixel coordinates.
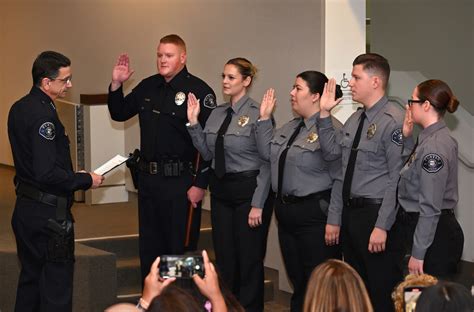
<point>111,164</point>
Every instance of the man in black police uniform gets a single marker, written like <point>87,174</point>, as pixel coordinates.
<point>171,177</point>
<point>45,182</point>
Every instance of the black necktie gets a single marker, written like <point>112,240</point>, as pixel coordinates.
<point>219,158</point>
<point>346,187</point>
<point>281,161</point>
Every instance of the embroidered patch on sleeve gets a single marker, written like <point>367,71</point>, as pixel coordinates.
<point>432,163</point>
<point>397,137</point>
<point>210,101</point>
<point>47,131</point>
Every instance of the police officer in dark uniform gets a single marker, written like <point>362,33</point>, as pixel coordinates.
<point>428,185</point>
<point>45,183</point>
<point>371,144</point>
<point>241,208</point>
<point>171,175</point>
<point>307,181</point>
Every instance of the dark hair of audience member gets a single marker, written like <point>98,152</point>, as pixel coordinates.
<point>315,81</point>
<point>445,297</point>
<point>174,299</point>
<point>335,286</point>
<point>439,94</point>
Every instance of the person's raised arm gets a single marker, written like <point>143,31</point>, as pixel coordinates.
<point>121,72</point>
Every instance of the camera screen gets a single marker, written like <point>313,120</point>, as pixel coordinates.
<point>181,266</point>
<point>410,297</point>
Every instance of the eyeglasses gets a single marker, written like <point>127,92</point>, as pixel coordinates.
<point>63,80</point>
<point>410,101</point>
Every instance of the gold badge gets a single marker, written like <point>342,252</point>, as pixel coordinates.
<point>243,120</point>
<point>371,131</point>
<point>179,98</point>
<point>312,137</point>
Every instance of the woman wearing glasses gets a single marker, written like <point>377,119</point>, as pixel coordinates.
<point>239,184</point>
<point>428,185</point>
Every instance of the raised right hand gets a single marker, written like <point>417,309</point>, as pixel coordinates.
<point>96,180</point>
<point>121,71</point>
<point>408,122</point>
<point>193,109</point>
<point>268,104</point>
<point>328,99</point>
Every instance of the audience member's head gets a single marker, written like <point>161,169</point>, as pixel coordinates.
<point>174,299</point>
<point>122,307</point>
<point>411,280</point>
<point>445,297</point>
<point>336,286</point>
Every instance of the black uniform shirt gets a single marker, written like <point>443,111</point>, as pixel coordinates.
<point>40,146</point>
<point>162,110</point>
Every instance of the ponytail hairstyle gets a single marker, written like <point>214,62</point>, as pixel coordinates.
<point>439,94</point>
<point>316,80</point>
<point>245,68</point>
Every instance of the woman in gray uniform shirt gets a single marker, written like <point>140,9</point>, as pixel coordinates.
<point>428,185</point>
<point>307,182</point>
<point>239,184</point>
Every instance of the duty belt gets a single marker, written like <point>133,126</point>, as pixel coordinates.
<point>60,202</point>
<point>166,167</point>
<point>360,202</point>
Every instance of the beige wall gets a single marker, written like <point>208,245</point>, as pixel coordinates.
<point>281,37</point>
<point>434,37</point>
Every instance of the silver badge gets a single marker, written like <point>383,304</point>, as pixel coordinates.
<point>312,137</point>
<point>243,120</point>
<point>371,131</point>
<point>179,98</point>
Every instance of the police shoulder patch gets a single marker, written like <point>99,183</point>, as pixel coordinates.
<point>47,131</point>
<point>210,101</point>
<point>397,137</point>
<point>432,163</point>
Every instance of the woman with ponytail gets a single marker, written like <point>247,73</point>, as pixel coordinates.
<point>428,185</point>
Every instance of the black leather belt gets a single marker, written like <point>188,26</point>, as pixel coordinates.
<point>360,202</point>
<point>291,199</point>
<point>35,194</point>
<point>166,167</point>
<point>403,212</point>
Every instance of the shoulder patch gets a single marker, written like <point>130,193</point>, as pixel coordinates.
<point>210,101</point>
<point>432,163</point>
<point>397,137</point>
<point>47,131</point>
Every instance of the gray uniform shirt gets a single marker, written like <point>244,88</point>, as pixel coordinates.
<point>429,183</point>
<point>307,170</point>
<point>240,147</point>
<point>379,159</point>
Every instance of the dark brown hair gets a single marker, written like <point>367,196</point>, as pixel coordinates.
<point>315,81</point>
<point>174,39</point>
<point>244,66</point>
<point>376,64</point>
<point>439,94</point>
<point>174,299</point>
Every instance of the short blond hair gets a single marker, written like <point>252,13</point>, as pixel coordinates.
<point>335,286</point>
<point>409,281</point>
<point>174,39</point>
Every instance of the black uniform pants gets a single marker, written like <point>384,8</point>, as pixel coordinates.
<point>382,271</point>
<point>240,249</point>
<point>301,229</point>
<point>443,256</point>
<point>163,209</point>
<point>43,285</point>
